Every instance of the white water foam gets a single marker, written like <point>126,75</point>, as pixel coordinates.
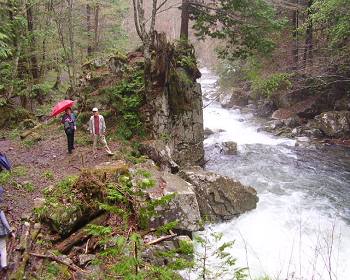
<point>290,235</point>
<point>283,239</point>
<point>216,118</point>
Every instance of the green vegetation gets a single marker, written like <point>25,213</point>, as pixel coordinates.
<point>272,84</point>
<point>335,15</point>
<point>245,27</point>
<point>126,98</point>
<point>7,177</point>
<point>212,244</point>
<point>49,175</point>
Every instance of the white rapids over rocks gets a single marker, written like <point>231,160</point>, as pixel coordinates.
<point>301,227</point>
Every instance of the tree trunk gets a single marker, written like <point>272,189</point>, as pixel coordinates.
<point>88,28</point>
<point>72,61</point>
<point>185,18</point>
<point>96,26</point>
<point>32,41</point>
<point>309,37</point>
<point>148,65</point>
<point>295,46</point>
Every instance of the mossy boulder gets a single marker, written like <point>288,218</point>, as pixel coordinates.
<point>13,116</point>
<point>76,200</point>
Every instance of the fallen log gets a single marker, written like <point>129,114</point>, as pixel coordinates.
<point>78,236</point>
<point>21,256</point>
<point>26,133</point>
<point>58,260</point>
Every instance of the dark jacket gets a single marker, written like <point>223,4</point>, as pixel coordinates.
<point>69,122</point>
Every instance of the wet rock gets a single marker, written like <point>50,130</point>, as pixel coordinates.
<point>292,122</point>
<point>297,131</point>
<point>251,106</point>
<point>273,125</point>
<point>160,153</point>
<point>219,198</point>
<point>85,258</point>
<point>314,133</point>
<point>334,123</point>
<point>282,114</point>
<point>231,99</point>
<point>229,148</point>
<point>265,109</point>
<point>208,132</point>
<point>308,108</point>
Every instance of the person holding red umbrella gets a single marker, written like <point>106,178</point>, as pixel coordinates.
<point>69,124</point>
<point>68,120</point>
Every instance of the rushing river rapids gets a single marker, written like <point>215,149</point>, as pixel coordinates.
<point>301,226</point>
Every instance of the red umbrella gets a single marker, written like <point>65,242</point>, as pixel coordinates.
<point>61,107</point>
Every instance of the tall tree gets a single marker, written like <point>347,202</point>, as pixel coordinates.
<point>146,33</point>
<point>96,26</point>
<point>295,46</point>
<point>88,28</point>
<point>185,18</point>
<point>308,36</point>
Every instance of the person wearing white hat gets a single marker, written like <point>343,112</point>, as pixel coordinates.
<point>97,127</point>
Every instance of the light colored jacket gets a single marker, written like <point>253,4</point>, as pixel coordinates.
<point>102,125</point>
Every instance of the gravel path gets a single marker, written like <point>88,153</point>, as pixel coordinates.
<point>41,165</point>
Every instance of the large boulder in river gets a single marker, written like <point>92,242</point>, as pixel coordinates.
<point>237,97</point>
<point>334,123</point>
<point>219,198</point>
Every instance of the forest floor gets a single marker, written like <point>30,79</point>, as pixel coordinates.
<point>43,164</point>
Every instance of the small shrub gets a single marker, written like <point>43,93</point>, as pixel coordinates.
<point>48,174</point>
<point>20,171</point>
<point>5,177</point>
<point>276,82</point>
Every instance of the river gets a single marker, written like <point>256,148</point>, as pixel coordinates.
<point>301,226</point>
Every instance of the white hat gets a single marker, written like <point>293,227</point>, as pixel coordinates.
<point>95,110</point>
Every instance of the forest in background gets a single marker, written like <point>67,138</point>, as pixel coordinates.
<point>309,50</point>
<point>262,44</point>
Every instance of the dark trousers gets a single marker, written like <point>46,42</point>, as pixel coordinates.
<point>70,139</point>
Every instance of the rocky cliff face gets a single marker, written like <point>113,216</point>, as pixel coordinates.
<point>175,105</point>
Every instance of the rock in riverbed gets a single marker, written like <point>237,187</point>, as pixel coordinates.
<point>219,198</point>
<point>334,123</point>
<point>229,148</point>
